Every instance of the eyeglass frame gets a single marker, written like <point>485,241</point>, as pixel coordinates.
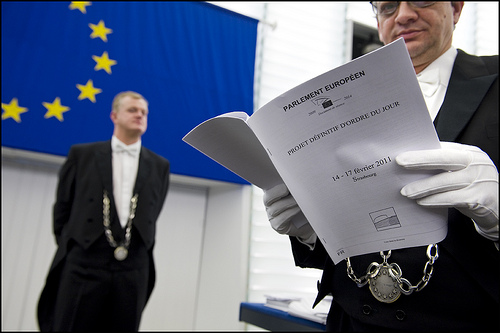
<point>411,3</point>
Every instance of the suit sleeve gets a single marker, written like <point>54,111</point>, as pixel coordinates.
<point>306,258</point>
<point>64,195</point>
<point>166,180</point>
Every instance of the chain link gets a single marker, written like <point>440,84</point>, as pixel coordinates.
<point>106,222</point>
<point>360,282</point>
<point>395,271</point>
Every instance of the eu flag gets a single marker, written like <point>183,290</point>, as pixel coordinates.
<point>62,64</point>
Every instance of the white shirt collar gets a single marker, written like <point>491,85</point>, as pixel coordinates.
<point>445,64</point>
<point>115,142</point>
<point>442,67</point>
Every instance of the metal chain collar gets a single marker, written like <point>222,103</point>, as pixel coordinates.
<point>106,222</point>
<point>395,271</point>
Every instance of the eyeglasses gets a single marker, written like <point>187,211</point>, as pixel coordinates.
<point>387,8</point>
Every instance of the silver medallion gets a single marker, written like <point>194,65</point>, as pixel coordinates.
<point>121,253</point>
<point>383,286</point>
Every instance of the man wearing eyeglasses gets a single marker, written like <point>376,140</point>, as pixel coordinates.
<point>454,285</point>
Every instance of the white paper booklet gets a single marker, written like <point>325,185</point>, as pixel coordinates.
<point>333,141</point>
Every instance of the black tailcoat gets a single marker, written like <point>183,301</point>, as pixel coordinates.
<point>78,211</point>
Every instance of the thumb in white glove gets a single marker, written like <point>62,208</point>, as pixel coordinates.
<point>469,183</point>
<point>285,215</point>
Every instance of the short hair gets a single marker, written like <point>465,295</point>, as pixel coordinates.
<point>118,98</point>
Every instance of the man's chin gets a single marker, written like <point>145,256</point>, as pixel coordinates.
<point>137,131</point>
<point>414,47</point>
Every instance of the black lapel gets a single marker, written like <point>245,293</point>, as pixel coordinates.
<point>143,171</point>
<point>103,160</point>
<point>469,82</point>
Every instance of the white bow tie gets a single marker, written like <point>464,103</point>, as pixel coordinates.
<point>429,82</point>
<point>132,149</point>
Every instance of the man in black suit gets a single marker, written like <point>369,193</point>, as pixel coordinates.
<point>453,286</point>
<point>108,199</point>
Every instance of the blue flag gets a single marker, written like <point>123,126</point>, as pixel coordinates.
<point>62,64</point>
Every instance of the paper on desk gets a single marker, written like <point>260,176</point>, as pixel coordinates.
<point>280,302</point>
<point>333,141</point>
<point>303,309</point>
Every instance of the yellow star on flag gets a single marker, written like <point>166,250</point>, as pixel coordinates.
<point>100,30</point>
<point>13,110</point>
<point>55,109</point>
<point>88,91</point>
<point>103,62</point>
<point>80,5</point>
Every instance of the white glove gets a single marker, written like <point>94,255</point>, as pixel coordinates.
<point>285,215</point>
<point>469,183</point>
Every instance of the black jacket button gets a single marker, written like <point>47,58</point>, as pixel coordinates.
<point>366,309</point>
<point>400,315</point>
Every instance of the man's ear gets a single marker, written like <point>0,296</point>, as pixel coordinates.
<point>112,116</point>
<point>457,10</point>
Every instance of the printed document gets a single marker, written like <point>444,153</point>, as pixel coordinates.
<point>333,141</point>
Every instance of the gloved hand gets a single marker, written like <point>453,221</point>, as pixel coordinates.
<point>285,215</point>
<point>469,183</point>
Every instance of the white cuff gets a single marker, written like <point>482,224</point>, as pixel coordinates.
<point>491,233</point>
<point>310,241</point>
